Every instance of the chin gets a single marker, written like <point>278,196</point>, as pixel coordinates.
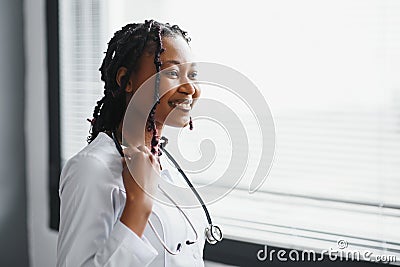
<point>178,122</point>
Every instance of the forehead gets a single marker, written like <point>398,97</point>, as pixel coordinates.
<point>176,49</point>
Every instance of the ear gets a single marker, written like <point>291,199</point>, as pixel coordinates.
<point>121,74</point>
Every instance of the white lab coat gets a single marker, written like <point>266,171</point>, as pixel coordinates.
<point>92,200</point>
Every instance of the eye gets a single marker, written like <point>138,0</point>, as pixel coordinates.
<point>193,75</point>
<point>172,73</point>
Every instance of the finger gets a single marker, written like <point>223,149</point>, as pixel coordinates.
<point>148,153</point>
<point>124,163</point>
<point>152,158</point>
<point>144,149</point>
<point>129,152</point>
<point>156,164</point>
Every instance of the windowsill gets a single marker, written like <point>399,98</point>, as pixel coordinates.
<point>307,224</point>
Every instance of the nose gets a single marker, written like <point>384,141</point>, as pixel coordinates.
<point>187,88</point>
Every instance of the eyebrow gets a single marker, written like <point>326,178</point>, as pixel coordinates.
<point>176,62</point>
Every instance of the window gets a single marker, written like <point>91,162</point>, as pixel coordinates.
<point>82,42</point>
<point>329,71</point>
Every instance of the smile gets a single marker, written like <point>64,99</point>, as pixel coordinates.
<point>183,104</point>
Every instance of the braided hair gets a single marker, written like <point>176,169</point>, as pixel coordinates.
<point>124,50</point>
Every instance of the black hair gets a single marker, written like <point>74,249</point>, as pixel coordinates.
<point>124,50</point>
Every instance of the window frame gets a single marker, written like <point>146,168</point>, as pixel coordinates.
<point>53,97</point>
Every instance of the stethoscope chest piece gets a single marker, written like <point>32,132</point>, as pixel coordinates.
<point>213,234</point>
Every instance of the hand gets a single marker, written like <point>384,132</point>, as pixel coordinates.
<point>141,178</point>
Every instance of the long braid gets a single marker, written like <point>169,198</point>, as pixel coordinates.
<point>157,62</point>
<point>124,50</point>
<point>119,47</point>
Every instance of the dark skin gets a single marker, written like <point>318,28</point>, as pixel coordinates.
<point>141,179</point>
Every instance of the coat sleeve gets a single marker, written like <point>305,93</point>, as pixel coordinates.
<point>90,233</point>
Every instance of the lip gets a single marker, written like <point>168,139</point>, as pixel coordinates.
<point>184,104</point>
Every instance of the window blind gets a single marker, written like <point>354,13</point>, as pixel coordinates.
<point>329,71</point>
<point>335,177</point>
<point>82,41</point>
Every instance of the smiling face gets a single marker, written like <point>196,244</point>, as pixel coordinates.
<point>177,90</point>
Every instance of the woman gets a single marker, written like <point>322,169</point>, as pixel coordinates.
<point>104,217</point>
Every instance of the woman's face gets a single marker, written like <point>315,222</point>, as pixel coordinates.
<point>176,81</point>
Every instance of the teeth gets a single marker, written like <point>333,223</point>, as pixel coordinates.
<point>185,101</point>
<point>182,103</point>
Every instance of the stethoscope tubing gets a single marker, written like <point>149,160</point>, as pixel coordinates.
<point>213,232</point>
<point>190,184</point>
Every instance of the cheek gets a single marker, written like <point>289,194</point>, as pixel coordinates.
<point>142,99</point>
<point>197,94</point>
<point>163,109</point>
<point>167,115</point>
<point>167,86</point>
<point>166,92</point>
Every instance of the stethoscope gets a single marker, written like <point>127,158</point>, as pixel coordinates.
<point>212,232</point>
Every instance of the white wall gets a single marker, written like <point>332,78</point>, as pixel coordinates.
<point>42,240</point>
